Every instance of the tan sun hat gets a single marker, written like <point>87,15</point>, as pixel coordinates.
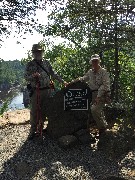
<point>95,57</point>
<point>37,47</point>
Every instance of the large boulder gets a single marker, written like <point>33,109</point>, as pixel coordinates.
<point>84,136</point>
<point>64,120</point>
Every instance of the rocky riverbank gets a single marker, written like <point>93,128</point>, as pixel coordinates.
<point>15,117</point>
<point>24,160</point>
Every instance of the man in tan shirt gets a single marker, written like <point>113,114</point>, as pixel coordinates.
<point>99,82</point>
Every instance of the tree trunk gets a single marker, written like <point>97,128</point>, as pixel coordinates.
<point>116,77</point>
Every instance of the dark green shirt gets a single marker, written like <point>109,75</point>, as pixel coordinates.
<point>44,79</point>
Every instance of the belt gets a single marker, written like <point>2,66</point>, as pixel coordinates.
<point>42,88</point>
<point>97,90</point>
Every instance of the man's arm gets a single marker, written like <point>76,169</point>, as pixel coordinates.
<point>84,78</point>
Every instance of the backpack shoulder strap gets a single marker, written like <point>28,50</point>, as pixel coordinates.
<point>42,68</point>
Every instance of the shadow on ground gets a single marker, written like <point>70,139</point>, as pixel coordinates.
<point>49,161</point>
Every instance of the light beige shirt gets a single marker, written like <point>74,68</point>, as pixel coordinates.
<point>97,80</point>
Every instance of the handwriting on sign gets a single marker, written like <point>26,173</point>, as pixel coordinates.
<point>76,99</point>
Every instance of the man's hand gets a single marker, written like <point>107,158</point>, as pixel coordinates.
<point>71,82</point>
<point>74,81</point>
<point>65,83</point>
<point>36,74</point>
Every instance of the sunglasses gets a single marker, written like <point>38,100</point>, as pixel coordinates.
<point>95,60</point>
<point>37,51</point>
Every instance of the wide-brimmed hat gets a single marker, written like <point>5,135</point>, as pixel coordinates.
<point>95,57</point>
<point>37,47</point>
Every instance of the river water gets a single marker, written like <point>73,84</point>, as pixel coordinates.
<point>16,102</point>
<point>15,98</point>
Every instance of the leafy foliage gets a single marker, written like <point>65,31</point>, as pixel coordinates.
<point>4,107</point>
<point>103,27</point>
<point>90,26</point>
<point>20,16</point>
<point>71,63</point>
<point>12,72</point>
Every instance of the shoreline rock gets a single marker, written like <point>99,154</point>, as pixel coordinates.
<point>15,117</point>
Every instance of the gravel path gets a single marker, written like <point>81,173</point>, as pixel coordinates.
<point>26,160</point>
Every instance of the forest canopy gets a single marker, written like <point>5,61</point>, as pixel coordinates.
<point>90,26</point>
<point>98,26</point>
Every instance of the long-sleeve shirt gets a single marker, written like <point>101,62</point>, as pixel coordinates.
<point>97,80</point>
<point>44,79</point>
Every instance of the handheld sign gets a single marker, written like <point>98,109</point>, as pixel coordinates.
<point>76,99</point>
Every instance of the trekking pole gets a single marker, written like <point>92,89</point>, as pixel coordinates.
<point>39,118</point>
